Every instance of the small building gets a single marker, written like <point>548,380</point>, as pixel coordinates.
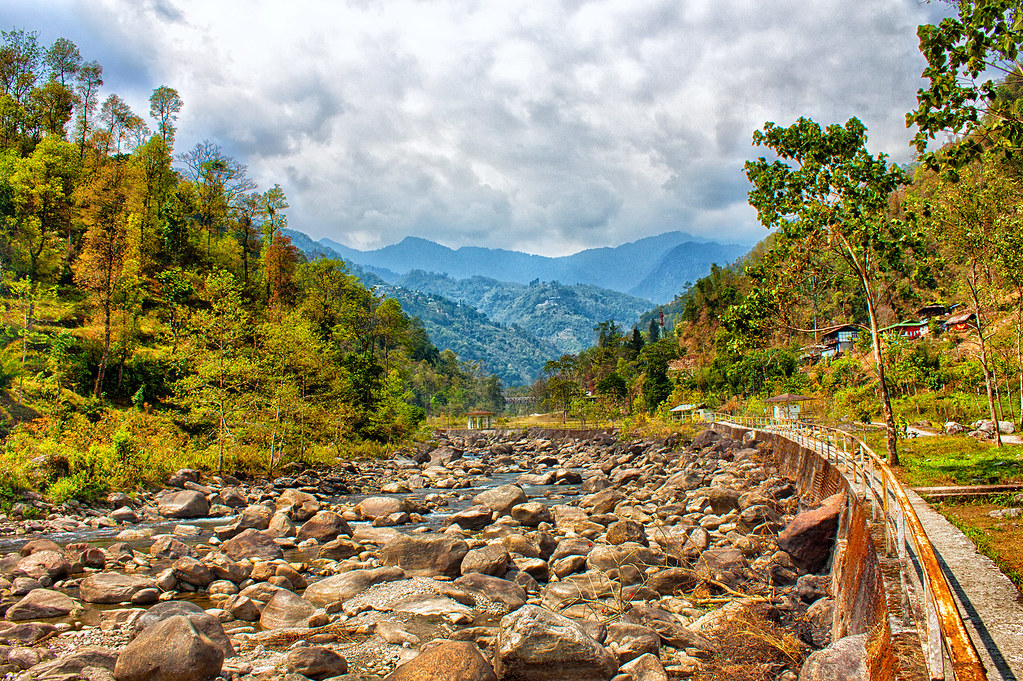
<point>935,310</point>
<point>967,321</point>
<point>911,330</point>
<point>689,412</point>
<point>787,406</point>
<point>838,339</point>
<point>480,420</point>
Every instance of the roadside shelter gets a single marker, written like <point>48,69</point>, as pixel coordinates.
<point>480,420</point>
<point>787,406</point>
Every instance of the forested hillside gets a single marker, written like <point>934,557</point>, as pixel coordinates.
<point>154,313</point>
<point>925,265</point>
<point>560,315</point>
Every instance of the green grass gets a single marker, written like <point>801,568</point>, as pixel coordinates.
<point>957,460</point>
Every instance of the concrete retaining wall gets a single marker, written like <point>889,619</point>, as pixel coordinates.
<point>856,576</point>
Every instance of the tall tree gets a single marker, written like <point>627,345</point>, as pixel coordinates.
<point>19,63</point>
<point>825,186</point>
<point>218,180</point>
<point>966,216</point>
<point>89,81</point>
<point>99,268</point>
<point>116,115</point>
<point>63,59</point>
<point>164,106</point>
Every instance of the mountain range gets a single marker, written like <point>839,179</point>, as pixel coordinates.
<point>512,326</point>
<point>656,268</point>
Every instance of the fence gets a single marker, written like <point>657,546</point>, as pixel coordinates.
<point>871,477</point>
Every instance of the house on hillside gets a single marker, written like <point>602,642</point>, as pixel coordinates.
<point>935,310</point>
<point>838,339</point>
<point>910,330</point>
<point>965,321</point>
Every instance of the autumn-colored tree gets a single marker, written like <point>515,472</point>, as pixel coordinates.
<point>104,209</point>
<point>279,262</point>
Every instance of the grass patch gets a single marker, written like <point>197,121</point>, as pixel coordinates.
<point>958,460</point>
<point>997,538</point>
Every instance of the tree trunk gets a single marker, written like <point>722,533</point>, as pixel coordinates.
<point>979,326</point>
<point>891,437</point>
<point>98,388</point>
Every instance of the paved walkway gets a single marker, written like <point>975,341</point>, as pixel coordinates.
<point>988,601</point>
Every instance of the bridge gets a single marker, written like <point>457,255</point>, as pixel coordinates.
<point>931,604</point>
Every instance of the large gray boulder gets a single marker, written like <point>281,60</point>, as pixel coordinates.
<point>172,650</point>
<point>286,610</point>
<point>348,584</point>
<point>427,555</point>
<point>810,537</point>
<point>252,544</point>
<point>451,661</point>
<point>112,587</point>
<point>41,604</point>
<point>843,660</point>
<point>536,644</point>
<point>185,504</point>
<point>501,499</point>
<point>325,526</point>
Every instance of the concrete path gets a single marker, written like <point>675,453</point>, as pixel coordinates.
<point>989,603</point>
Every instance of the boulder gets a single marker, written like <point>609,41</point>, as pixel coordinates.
<point>112,587</point>
<point>496,589</point>
<point>348,584</point>
<point>531,513</point>
<point>645,668</point>
<point>171,650</point>
<point>70,665</point>
<point>810,537</point>
<point>843,660</point>
<point>184,504</point>
<point>372,508</point>
<point>315,662</point>
<point>536,644</point>
<point>168,546</point>
<point>629,641</point>
<point>473,518</point>
<point>26,633</point>
<point>487,560</point>
<point>252,544</point>
<point>500,499</point>
<point>286,609</point>
<point>190,571</point>
<point>200,619</point>
<point>622,531</point>
<point>427,555</point>
<point>45,563</point>
<point>325,526</point>
<point>40,604</point>
<point>451,661</point>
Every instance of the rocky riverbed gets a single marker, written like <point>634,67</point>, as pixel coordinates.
<point>480,558</point>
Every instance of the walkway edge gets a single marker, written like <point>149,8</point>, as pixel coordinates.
<point>990,604</point>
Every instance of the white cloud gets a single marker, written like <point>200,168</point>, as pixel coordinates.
<point>542,126</point>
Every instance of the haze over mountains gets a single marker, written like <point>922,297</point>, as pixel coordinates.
<point>655,268</point>
<point>513,311</point>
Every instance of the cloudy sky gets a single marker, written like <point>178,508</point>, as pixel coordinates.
<point>546,126</point>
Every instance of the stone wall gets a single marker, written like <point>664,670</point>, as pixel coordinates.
<point>857,579</point>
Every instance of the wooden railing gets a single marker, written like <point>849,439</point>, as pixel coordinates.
<point>869,474</point>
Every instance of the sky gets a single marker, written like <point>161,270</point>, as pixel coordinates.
<point>545,126</point>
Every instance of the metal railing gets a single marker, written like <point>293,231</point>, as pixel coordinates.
<point>869,474</point>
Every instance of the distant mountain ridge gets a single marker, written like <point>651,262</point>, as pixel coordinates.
<point>656,268</point>
<point>514,325</point>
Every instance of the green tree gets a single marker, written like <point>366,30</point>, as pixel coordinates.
<point>973,76</point>
<point>825,187</point>
<point>164,106</point>
<point>217,388</point>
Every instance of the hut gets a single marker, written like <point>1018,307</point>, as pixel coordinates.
<point>838,339</point>
<point>689,412</point>
<point>787,406</point>
<point>480,420</point>
<point>961,322</point>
